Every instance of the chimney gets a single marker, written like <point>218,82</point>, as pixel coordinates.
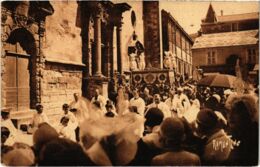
<point>221,12</point>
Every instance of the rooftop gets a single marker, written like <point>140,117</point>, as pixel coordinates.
<point>238,17</point>
<point>237,38</point>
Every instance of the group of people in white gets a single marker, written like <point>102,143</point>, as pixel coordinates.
<point>151,130</point>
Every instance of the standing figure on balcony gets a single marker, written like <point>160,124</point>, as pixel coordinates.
<point>137,48</point>
<point>133,63</point>
<point>142,62</point>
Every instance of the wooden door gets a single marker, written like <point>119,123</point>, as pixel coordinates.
<point>17,78</point>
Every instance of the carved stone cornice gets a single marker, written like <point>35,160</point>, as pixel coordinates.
<point>20,20</point>
<point>117,12</point>
<point>95,8</point>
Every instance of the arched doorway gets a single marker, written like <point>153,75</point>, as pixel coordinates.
<point>20,70</point>
<point>231,64</point>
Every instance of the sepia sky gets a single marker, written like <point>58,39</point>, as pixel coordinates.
<point>189,14</point>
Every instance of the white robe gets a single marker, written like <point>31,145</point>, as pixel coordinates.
<point>163,107</point>
<point>139,103</point>
<point>102,101</point>
<point>38,119</point>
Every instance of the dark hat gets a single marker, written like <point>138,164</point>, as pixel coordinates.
<point>43,135</point>
<point>65,106</point>
<point>5,131</point>
<point>173,129</point>
<point>154,116</point>
<point>64,119</point>
<point>38,106</point>
<point>207,119</point>
<point>73,110</point>
<point>109,114</point>
<point>20,155</point>
<point>63,152</point>
<point>109,104</point>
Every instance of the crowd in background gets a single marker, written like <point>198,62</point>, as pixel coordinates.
<point>189,125</point>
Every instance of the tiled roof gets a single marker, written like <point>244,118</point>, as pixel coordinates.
<point>238,17</point>
<point>226,39</point>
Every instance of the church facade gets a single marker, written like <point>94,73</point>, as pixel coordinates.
<point>53,49</point>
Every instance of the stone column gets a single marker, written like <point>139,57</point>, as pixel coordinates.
<point>118,10</point>
<point>120,57</point>
<point>40,63</point>
<point>97,39</point>
<point>114,50</point>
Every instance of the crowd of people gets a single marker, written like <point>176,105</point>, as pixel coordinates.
<point>192,126</point>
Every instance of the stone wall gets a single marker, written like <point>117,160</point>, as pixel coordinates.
<point>59,83</point>
<point>62,35</point>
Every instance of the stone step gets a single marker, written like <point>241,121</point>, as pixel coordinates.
<point>22,114</point>
<point>25,117</point>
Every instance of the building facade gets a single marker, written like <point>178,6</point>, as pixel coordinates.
<point>177,42</point>
<point>228,43</point>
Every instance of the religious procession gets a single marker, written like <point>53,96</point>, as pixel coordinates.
<point>99,83</point>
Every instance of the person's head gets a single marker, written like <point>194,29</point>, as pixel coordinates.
<point>154,117</point>
<point>133,109</point>
<point>43,135</point>
<point>193,96</point>
<point>109,106</point>
<point>227,92</point>
<point>64,121</point>
<point>179,91</point>
<point>213,102</point>
<point>4,134</point>
<point>157,98</point>
<point>206,121</point>
<point>136,93</point>
<point>109,114</point>
<point>97,104</point>
<point>39,108</point>
<point>97,92</point>
<point>243,112</point>
<point>63,152</point>
<point>21,154</point>
<point>76,96</point>
<point>146,91</point>
<point>172,132</point>
<point>171,93</point>
<point>65,108</point>
<point>5,113</point>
